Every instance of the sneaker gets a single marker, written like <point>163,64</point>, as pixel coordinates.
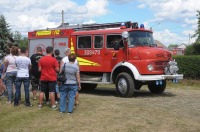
<point>2,94</point>
<point>76,103</point>
<point>47,102</point>
<point>40,106</point>
<point>54,107</point>
<point>16,104</point>
<point>34,98</point>
<point>9,102</point>
<point>62,112</point>
<point>28,105</point>
<point>69,113</point>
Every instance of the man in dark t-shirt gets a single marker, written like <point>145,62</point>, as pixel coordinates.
<point>35,74</point>
<point>58,58</point>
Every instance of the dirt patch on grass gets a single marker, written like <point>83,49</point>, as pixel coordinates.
<point>101,110</point>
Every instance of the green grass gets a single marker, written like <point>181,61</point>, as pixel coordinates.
<point>101,110</point>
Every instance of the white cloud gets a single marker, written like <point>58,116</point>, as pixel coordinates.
<point>167,37</point>
<point>89,22</point>
<point>26,15</point>
<point>141,6</point>
<point>121,1</point>
<point>182,12</point>
<point>191,21</point>
<point>96,7</point>
<point>173,9</point>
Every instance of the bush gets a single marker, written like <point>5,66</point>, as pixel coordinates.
<point>189,66</point>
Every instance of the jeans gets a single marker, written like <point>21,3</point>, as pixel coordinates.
<point>10,80</point>
<point>57,88</point>
<point>18,82</point>
<point>67,90</point>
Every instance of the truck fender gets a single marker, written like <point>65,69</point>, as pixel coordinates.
<point>132,68</point>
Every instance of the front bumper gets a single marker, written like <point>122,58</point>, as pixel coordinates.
<point>159,77</point>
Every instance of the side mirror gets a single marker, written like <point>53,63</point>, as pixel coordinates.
<point>125,35</point>
<point>116,45</point>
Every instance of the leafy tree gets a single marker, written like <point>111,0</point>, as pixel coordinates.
<point>189,50</point>
<point>4,32</point>
<point>20,40</point>
<point>197,32</point>
<point>23,42</point>
<point>194,49</point>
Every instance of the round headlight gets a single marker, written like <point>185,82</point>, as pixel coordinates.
<point>150,67</point>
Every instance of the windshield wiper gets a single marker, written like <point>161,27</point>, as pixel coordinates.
<point>152,45</point>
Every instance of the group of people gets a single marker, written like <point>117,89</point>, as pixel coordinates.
<point>41,72</point>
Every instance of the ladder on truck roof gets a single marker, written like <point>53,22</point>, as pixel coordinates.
<point>95,26</point>
<point>98,26</point>
<point>80,27</point>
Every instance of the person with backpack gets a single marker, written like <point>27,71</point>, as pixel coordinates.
<point>66,60</point>
<point>58,58</point>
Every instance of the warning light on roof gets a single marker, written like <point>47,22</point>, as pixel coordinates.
<point>142,26</point>
<point>123,25</point>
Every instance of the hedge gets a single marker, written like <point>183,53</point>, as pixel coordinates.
<point>189,66</point>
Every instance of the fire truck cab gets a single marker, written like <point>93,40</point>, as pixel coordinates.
<point>113,53</point>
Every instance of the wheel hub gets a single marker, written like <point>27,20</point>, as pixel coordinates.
<point>122,85</point>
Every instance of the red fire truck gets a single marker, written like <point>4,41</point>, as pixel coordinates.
<point>112,53</point>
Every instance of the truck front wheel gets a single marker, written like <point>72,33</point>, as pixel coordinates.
<point>157,88</point>
<point>125,85</point>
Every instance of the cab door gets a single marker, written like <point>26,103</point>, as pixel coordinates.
<point>112,57</point>
<point>90,52</point>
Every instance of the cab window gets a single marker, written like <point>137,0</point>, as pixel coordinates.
<point>111,39</point>
<point>98,41</point>
<point>84,42</point>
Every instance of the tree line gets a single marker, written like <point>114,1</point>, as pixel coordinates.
<point>6,36</point>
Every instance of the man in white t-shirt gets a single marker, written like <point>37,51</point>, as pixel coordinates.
<point>66,60</point>
<point>23,64</point>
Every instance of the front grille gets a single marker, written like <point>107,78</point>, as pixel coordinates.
<point>159,65</point>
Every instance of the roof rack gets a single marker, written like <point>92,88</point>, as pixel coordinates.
<point>128,24</point>
<point>98,26</point>
<point>80,27</point>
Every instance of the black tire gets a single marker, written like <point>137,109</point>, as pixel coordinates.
<point>157,88</point>
<point>125,85</point>
<point>138,85</point>
<point>88,86</point>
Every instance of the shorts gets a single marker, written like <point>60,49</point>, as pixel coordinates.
<point>35,82</point>
<point>48,85</point>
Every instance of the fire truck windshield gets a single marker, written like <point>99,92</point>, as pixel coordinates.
<point>141,38</point>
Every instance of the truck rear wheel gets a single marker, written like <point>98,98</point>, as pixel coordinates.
<point>157,88</point>
<point>125,85</point>
<point>88,86</point>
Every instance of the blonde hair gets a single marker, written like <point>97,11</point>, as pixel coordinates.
<point>67,50</point>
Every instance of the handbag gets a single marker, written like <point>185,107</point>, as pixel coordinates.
<point>61,76</point>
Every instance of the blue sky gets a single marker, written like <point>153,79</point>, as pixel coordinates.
<point>173,21</point>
